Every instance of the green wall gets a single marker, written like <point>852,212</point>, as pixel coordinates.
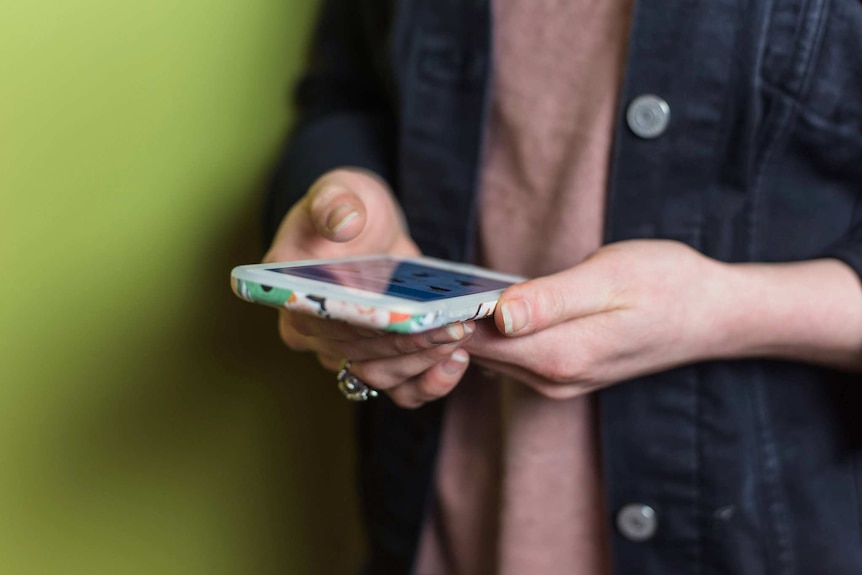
<point>149,422</point>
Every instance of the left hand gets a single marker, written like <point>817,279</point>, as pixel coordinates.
<point>630,309</point>
<point>351,212</point>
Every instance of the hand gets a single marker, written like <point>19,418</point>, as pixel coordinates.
<point>349,212</point>
<point>630,309</point>
<point>346,212</point>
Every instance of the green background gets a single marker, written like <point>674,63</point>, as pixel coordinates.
<point>149,421</point>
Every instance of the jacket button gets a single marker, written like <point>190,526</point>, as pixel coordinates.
<point>637,522</point>
<point>648,116</point>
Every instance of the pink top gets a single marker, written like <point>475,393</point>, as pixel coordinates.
<point>518,486</point>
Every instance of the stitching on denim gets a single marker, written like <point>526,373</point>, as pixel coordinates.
<point>780,117</point>
<point>818,16</point>
<point>777,122</point>
<point>774,123</point>
<point>698,465</point>
<point>757,175</point>
<point>857,489</point>
<point>470,249</point>
<point>772,493</point>
<point>722,137</point>
<point>797,65</point>
<point>852,132</point>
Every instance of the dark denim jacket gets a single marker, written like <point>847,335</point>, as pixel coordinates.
<point>752,467</point>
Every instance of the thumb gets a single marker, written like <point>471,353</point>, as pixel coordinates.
<point>543,302</point>
<point>334,210</point>
<point>319,225</point>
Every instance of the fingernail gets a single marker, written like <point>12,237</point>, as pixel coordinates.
<point>451,334</point>
<point>468,328</point>
<point>340,217</point>
<point>515,315</point>
<point>455,363</point>
<point>455,332</point>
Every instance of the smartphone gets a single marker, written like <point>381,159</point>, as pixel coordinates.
<point>403,295</point>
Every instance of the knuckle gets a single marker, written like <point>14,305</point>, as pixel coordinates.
<point>405,345</point>
<point>439,353</point>
<point>336,176</point>
<point>373,373</point>
<point>403,398</point>
<point>432,388</point>
<point>577,365</point>
<point>558,392</point>
<point>329,362</point>
<point>567,377</point>
<point>298,323</point>
<point>335,349</point>
<point>557,370</point>
<point>551,306</point>
<point>291,338</point>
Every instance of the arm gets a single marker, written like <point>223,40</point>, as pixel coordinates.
<point>806,311</point>
<point>344,114</point>
<point>644,306</point>
<point>330,197</point>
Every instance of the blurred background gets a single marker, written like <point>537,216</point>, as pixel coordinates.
<point>150,422</point>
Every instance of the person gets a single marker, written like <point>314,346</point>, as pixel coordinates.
<point>676,389</point>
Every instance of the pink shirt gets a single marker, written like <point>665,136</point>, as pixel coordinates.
<point>518,487</point>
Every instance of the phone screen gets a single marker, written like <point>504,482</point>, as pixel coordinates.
<point>402,279</point>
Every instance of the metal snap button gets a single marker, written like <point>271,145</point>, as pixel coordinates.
<point>637,522</point>
<point>648,116</point>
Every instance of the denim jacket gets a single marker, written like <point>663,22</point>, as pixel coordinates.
<point>750,467</point>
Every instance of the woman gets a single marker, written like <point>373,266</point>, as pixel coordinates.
<point>676,401</point>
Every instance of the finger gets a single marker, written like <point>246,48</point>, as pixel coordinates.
<point>335,209</point>
<point>398,345</point>
<point>312,326</point>
<point>432,384</point>
<point>292,338</point>
<point>330,362</point>
<point>543,302</point>
<point>586,352</point>
<point>389,372</point>
<point>538,384</point>
<point>346,212</point>
<point>296,340</point>
<point>361,344</point>
<point>538,353</point>
<point>320,223</point>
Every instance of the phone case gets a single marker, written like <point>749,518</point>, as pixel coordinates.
<point>352,312</point>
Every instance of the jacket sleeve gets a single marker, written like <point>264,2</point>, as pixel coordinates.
<point>849,250</point>
<point>344,116</point>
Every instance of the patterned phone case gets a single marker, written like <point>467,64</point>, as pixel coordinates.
<point>351,312</point>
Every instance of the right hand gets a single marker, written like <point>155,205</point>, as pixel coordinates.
<point>349,212</point>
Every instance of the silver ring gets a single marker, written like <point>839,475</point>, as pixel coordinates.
<point>353,388</point>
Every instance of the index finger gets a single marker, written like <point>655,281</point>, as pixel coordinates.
<point>313,326</point>
<point>547,301</point>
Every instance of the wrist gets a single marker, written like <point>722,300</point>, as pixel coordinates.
<point>721,325</point>
<point>804,311</point>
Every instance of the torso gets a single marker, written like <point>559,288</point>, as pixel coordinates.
<point>518,486</point>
